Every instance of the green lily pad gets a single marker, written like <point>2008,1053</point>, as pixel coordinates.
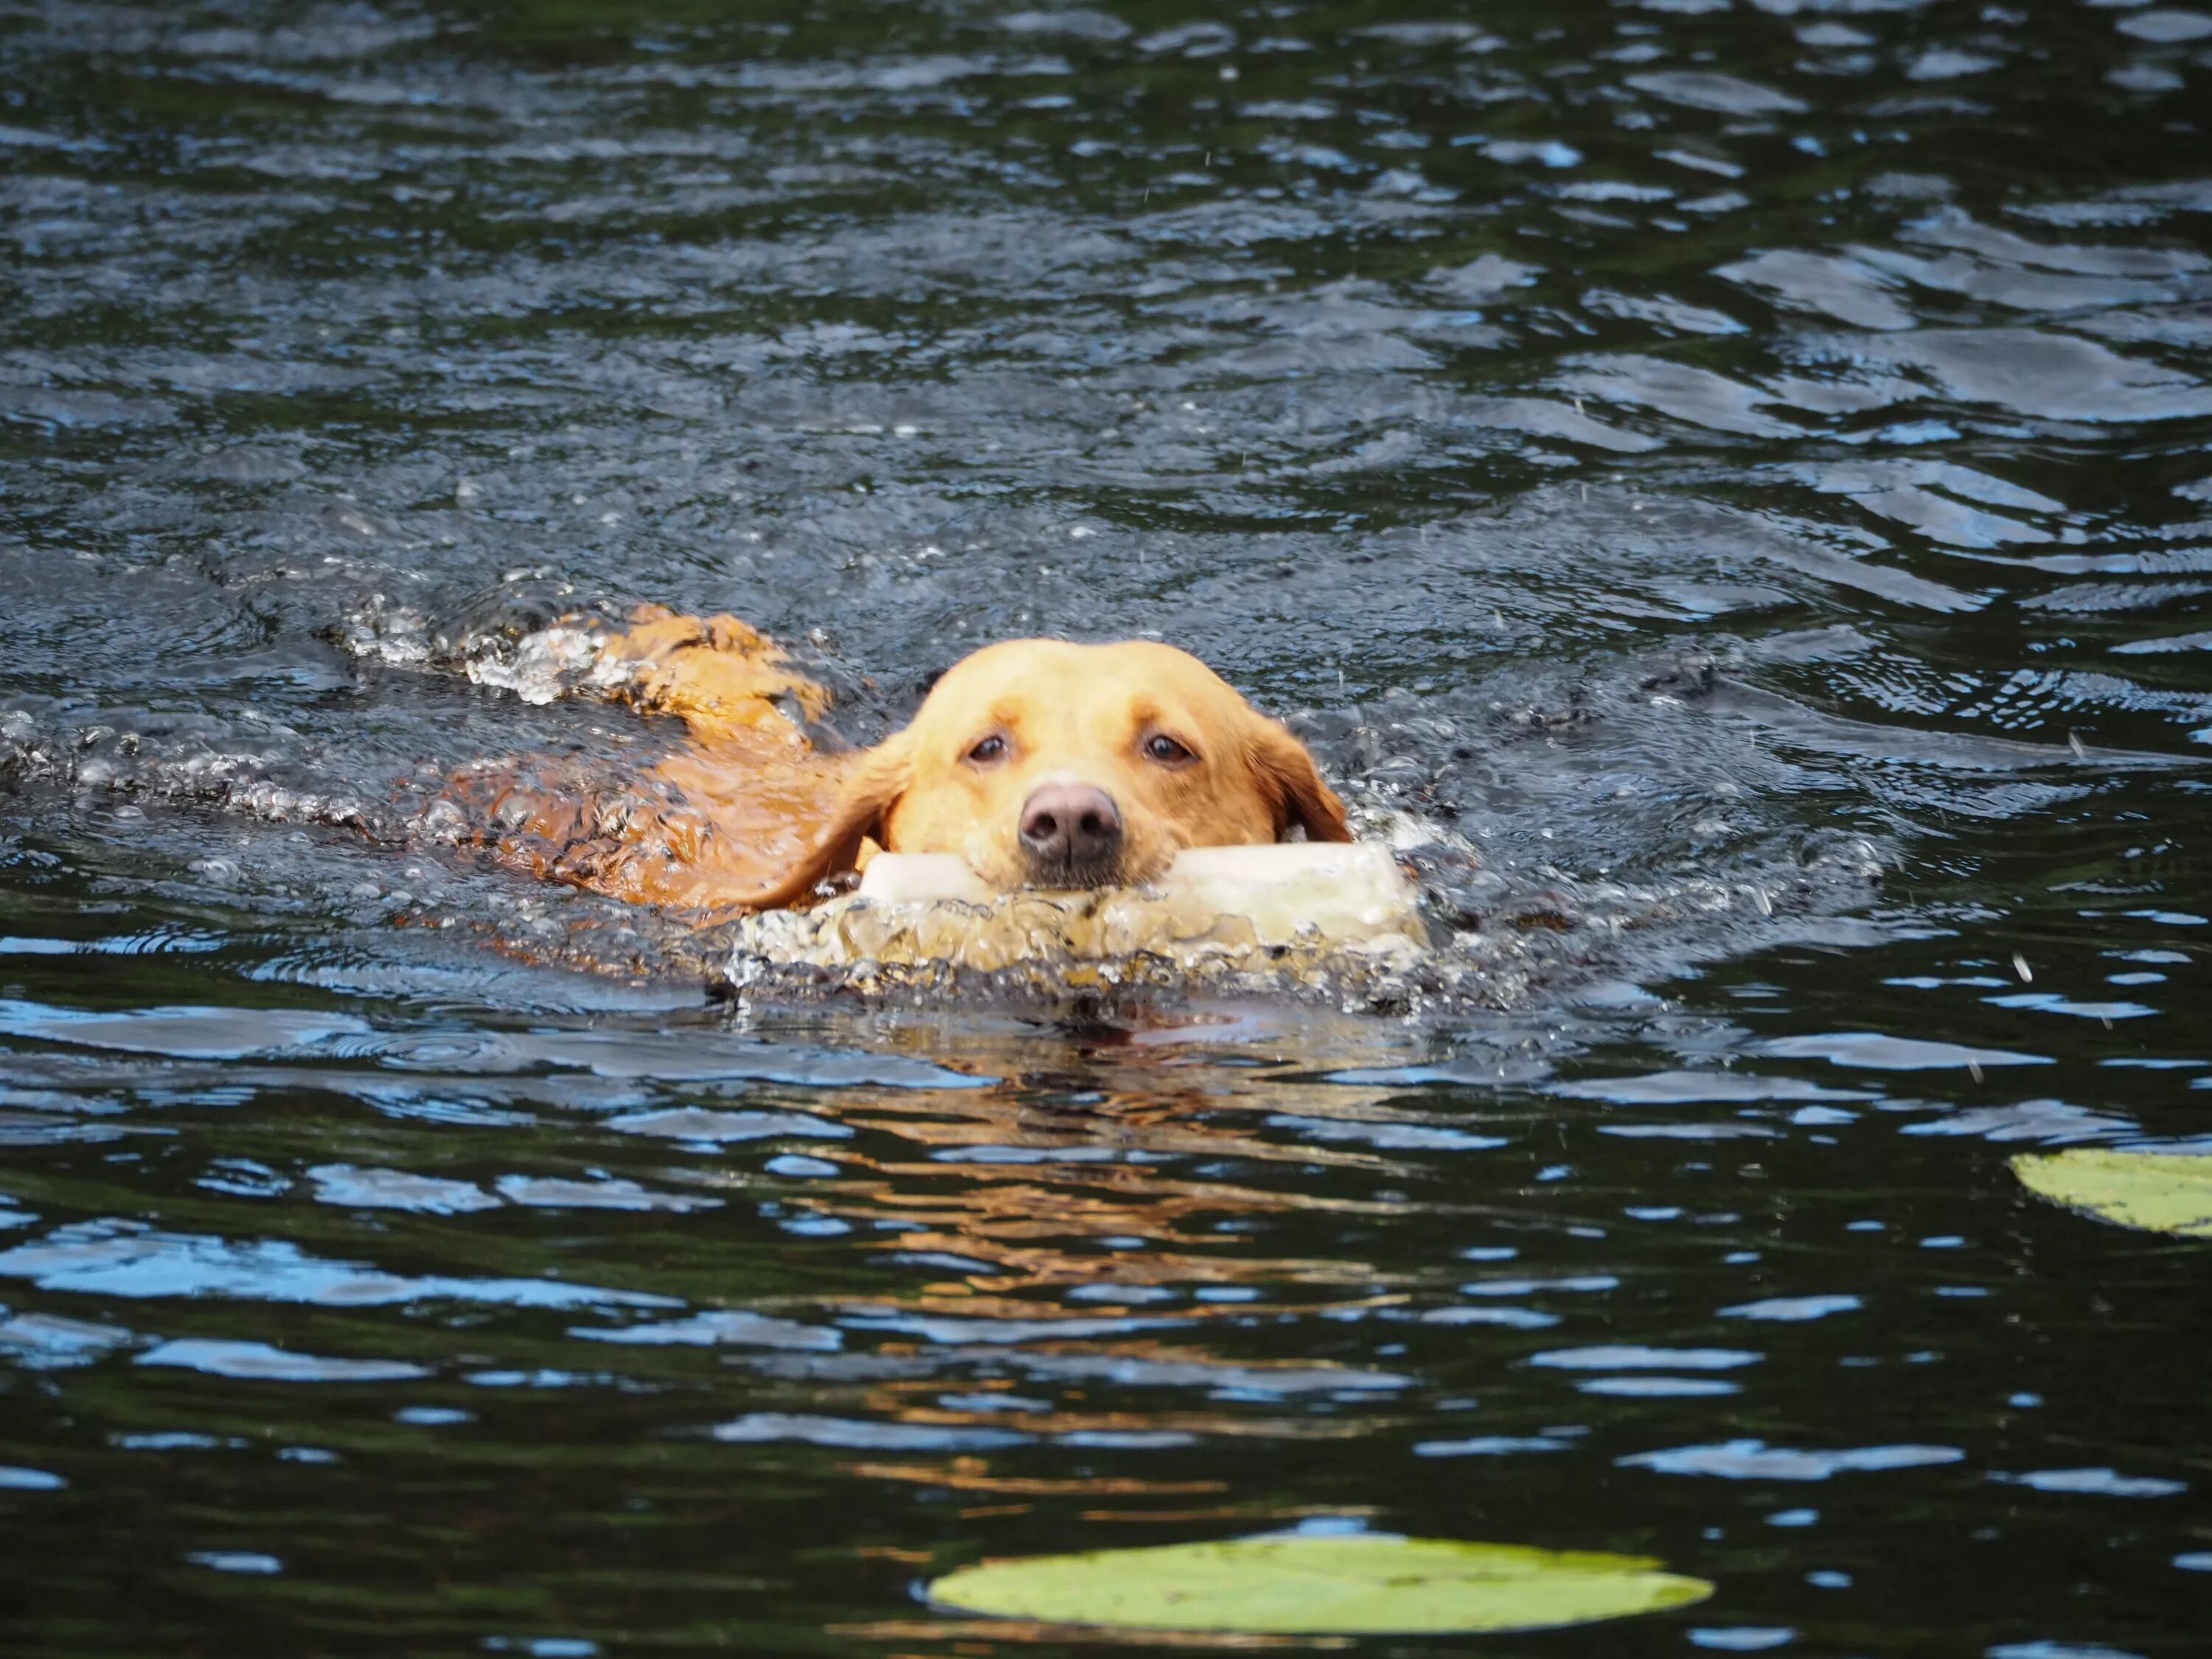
<point>2159,1192</point>
<point>1347,1585</point>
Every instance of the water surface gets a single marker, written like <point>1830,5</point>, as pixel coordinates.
<point>1741,469</point>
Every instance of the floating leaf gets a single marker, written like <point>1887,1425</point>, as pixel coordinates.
<point>2159,1192</point>
<point>1356,1584</point>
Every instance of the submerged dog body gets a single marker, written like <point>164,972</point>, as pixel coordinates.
<point>1041,762</point>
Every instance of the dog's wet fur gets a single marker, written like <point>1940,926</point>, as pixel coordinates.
<point>1042,763</point>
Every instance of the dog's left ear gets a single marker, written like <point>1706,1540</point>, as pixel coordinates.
<point>874,785</point>
<point>1288,774</point>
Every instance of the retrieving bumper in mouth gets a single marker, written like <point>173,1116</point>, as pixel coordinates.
<point>1219,912</point>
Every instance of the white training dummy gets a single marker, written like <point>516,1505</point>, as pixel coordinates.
<point>1222,907</point>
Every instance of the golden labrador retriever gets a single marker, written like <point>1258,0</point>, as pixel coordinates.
<point>1042,763</point>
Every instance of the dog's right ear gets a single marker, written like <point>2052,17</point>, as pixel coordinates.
<point>879,778</point>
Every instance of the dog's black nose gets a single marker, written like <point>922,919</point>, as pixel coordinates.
<point>1072,830</point>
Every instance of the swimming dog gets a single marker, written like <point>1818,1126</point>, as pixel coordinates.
<point>1041,762</point>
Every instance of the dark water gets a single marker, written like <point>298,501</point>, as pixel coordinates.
<point>1743,468</point>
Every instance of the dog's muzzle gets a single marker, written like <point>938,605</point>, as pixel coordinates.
<point>1071,835</point>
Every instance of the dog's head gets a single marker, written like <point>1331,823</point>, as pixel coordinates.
<point>1046,764</point>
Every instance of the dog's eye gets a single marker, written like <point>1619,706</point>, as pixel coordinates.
<point>987,749</point>
<point>1166,750</point>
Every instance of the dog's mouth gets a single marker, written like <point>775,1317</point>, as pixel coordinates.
<point>1069,875</point>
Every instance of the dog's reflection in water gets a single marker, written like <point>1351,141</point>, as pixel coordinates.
<point>1063,1247</point>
